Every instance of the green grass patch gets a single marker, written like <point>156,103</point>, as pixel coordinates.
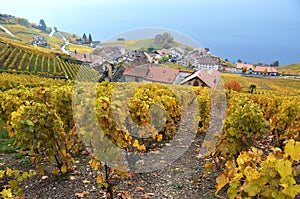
<point>6,143</point>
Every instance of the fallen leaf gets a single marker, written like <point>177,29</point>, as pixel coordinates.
<point>130,175</point>
<point>125,195</point>
<point>85,192</point>
<point>44,177</point>
<point>79,195</point>
<point>139,189</point>
<point>145,195</point>
<point>77,172</point>
<point>129,183</point>
<point>72,178</point>
<point>85,181</point>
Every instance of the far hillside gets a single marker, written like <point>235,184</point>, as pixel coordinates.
<point>291,69</point>
<point>164,40</point>
<point>17,57</point>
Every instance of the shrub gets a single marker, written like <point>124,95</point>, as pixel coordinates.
<point>234,85</point>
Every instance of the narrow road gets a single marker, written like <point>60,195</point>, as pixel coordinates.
<point>7,31</point>
<point>63,48</point>
<point>52,32</point>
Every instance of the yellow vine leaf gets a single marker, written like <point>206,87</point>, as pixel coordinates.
<point>292,191</point>
<point>221,182</point>
<point>251,174</point>
<point>284,168</point>
<point>7,193</point>
<point>64,169</point>
<point>159,137</point>
<point>1,173</point>
<point>292,148</point>
<point>141,147</point>
<point>135,143</point>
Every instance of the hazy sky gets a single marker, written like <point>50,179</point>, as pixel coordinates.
<point>231,28</point>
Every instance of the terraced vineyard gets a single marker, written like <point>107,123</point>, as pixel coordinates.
<point>18,58</point>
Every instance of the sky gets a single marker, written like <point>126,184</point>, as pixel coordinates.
<point>251,30</point>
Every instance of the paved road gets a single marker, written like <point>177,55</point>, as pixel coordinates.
<point>63,48</point>
<point>52,32</point>
<point>7,31</point>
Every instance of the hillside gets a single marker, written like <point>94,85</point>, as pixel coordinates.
<point>17,57</point>
<point>277,86</point>
<point>291,69</point>
<point>142,44</point>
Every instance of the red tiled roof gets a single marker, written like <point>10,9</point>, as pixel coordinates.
<point>162,74</point>
<point>265,68</point>
<point>163,52</point>
<point>241,66</point>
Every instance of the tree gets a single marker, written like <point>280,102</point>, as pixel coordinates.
<point>42,25</point>
<point>90,38</point>
<point>252,88</point>
<point>265,71</point>
<point>244,70</point>
<point>275,63</point>
<point>84,38</point>
<point>260,64</point>
<point>239,61</point>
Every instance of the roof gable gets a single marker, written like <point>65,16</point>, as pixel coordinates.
<point>210,78</point>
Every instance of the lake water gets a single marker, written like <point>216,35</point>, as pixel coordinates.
<point>251,30</point>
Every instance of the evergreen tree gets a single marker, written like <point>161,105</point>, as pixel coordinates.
<point>84,38</point>
<point>90,38</point>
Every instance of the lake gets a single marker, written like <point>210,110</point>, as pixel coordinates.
<point>250,30</point>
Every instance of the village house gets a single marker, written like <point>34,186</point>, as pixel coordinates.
<point>203,78</point>
<point>177,53</point>
<point>136,73</point>
<point>158,74</point>
<point>96,44</point>
<point>256,70</point>
<point>164,75</point>
<point>39,41</point>
<point>201,63</point>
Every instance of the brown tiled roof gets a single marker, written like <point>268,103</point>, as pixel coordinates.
<point>162,74</point>
<point>137,71</point>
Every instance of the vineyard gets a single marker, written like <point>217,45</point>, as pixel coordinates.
<point>277,86</point>
<point>256,156</point>
<point>21,59</point>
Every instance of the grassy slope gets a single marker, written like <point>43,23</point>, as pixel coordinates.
<point>284,86</point>
<point>140,44</point>
<point>25,34</point>
<point>80,48</point>
<point>293,69</point>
